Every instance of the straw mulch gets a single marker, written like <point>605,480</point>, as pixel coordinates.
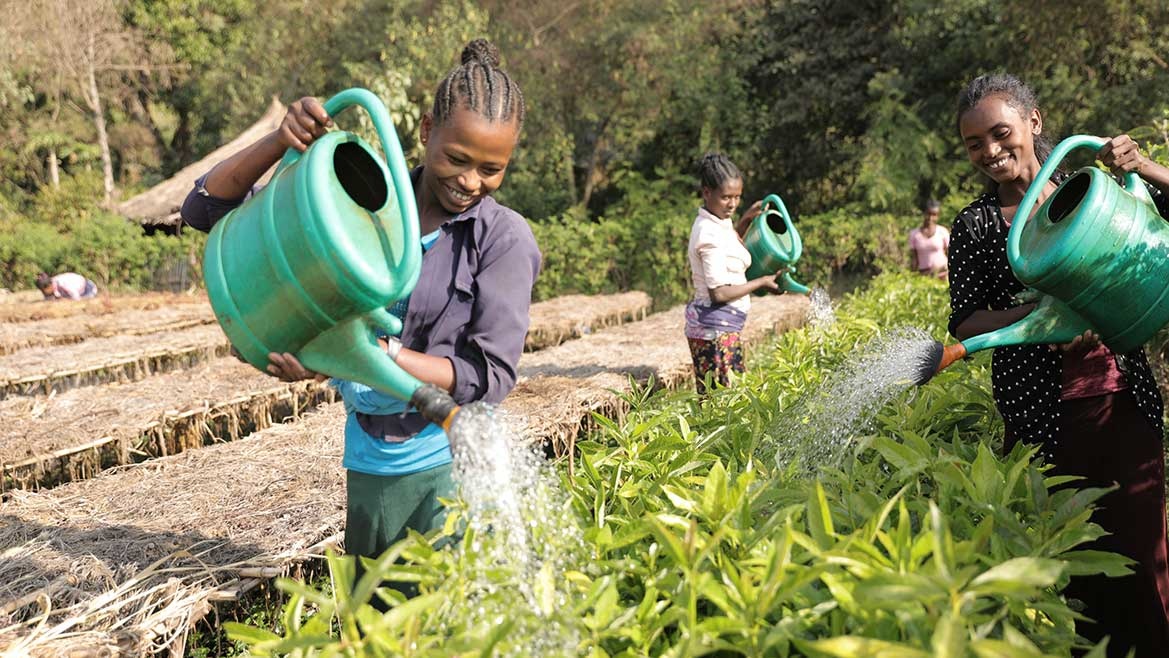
<point>19,296</point>
<point>572,316</point>
<point>560,388</point>
<point>47,440</point>
<point>112,359</point>
<point>19,308</point>
<point>122,564</point>
<point>63,331</point>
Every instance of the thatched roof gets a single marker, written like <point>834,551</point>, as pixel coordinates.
<point>160,204</point>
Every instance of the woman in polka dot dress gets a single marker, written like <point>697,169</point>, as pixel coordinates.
<point>1095,414</point>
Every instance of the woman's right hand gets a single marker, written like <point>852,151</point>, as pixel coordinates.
<point>305,122</point>
<point>770,283</point>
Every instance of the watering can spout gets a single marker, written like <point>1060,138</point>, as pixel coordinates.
<point>436,405</point>
<point>789,284</point>
<point>1051,322</point>
<point>350,350</point>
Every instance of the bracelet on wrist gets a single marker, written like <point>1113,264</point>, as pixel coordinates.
<point>393,348</point>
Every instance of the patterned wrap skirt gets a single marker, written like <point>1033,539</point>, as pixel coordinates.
<point>718,357</point>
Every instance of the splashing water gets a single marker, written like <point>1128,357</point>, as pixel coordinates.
<point>817,431</point>
<point>821,315</point>
<point>523,537</point>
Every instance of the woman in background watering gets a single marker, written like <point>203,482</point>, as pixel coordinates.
<point>465,321</point>
<point>718,269</point>
<point>929,244</point>
<point>1095,414</point>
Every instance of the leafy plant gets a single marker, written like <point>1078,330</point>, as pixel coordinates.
<point>921,541</point>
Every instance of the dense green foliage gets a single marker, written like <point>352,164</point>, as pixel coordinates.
<point>844,108</point>
<point>66,230</point>
<point>921,540</point>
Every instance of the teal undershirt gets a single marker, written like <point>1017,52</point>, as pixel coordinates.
<point>427,449</point>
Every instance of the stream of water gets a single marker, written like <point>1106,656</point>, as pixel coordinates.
<point>524,536</point>
<point>818,430</point>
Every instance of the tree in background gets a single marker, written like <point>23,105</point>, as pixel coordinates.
<point>80,48</point>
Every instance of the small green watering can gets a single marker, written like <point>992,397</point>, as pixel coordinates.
<point>774,245</point>
<point>1097,253</point>
<point>310,263</point>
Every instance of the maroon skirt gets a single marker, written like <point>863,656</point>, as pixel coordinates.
<point>1106,440</point>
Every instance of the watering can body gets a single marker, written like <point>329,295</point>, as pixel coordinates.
<point>1098,254</point>
<point>775,245</point>
<point>309,264</point>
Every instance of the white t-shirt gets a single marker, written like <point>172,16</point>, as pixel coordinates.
<point>717,258</point>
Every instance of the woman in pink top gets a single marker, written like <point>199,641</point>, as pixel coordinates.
<point>929,244</point>
<point>66,285</point>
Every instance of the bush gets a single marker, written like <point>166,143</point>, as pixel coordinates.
<point>104,247</point>
<point>641,243</point>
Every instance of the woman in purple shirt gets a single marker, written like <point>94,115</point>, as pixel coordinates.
<point>463,324</point>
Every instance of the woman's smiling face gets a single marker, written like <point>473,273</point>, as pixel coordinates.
<point>466,158</point>
<point>999,138</point>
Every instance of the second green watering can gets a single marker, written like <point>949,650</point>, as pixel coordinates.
<point>775,245</point>
<point>1096,252</point>
<point>309,264</point>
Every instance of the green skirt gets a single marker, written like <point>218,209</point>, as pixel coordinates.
<point>382,507</point>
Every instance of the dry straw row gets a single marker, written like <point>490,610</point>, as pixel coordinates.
<point>49,440</point>
<point>26,306</point>
<point>16,336</point>
<point>104,360</point>
<point>572,316</point>
<point>123,563</point>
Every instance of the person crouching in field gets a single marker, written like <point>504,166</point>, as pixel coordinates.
<point>66,285</point>
<point>718,268</point>
<point>465,321</point>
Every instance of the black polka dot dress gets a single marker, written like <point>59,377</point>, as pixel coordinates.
<point>1026,379</point>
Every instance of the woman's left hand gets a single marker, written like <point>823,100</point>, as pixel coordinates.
<point>1122,155</point>
<point>288,368</point>
<point>1086,341</point>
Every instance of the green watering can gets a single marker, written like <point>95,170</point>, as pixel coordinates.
<point>1097,253</point>
<point>310,263</point>
<point>774,245</point>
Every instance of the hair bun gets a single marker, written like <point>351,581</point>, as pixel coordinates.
<point>481,50</point>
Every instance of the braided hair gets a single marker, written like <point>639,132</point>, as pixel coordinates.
<point>1016,93</point>
<point>714,169</point>
<point>479,85</point>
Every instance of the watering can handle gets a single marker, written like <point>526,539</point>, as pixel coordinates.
<point>797,243</point>
<point>1132,184</point>
<point>395,161</point>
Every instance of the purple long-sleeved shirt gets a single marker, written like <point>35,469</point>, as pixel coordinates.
<point>470,304</point>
